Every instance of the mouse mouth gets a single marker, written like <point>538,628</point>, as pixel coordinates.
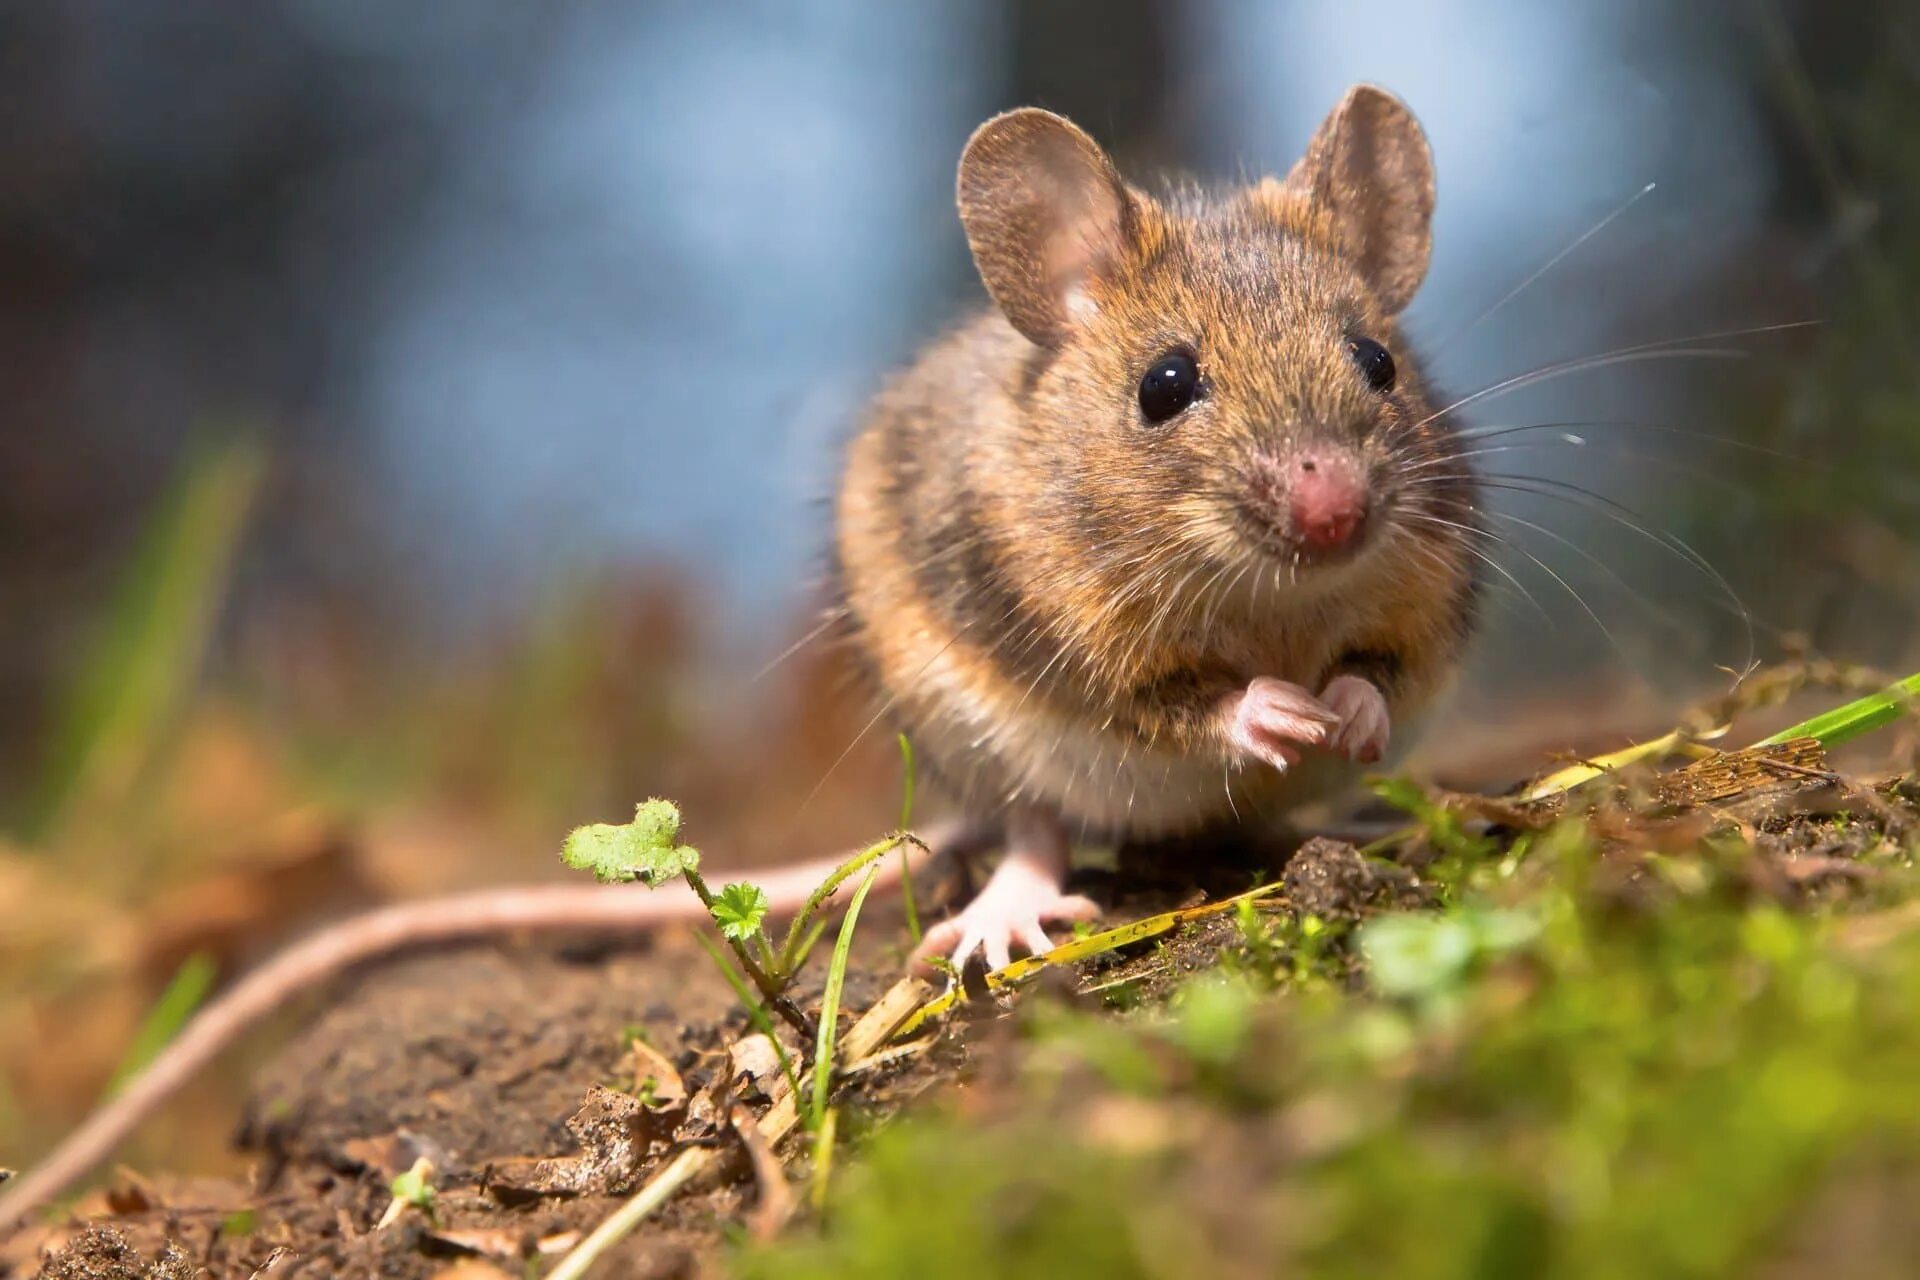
<point>1274,539</point>
<point>1313,509</point>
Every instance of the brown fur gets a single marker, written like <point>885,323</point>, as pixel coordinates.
<point>1053,594</point>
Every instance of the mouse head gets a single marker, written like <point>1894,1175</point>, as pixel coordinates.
<point>1218,371</point>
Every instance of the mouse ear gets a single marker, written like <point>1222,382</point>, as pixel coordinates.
<point>1369,167</point>
<point>1044,210</point>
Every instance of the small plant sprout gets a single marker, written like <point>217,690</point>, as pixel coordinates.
<point>647,848</point>
<point>739,910</point>
<point>1442,826</point>
<point>756,1010</point>
<point>414,1188</point>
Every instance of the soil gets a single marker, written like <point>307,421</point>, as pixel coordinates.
<point>476,1058</point>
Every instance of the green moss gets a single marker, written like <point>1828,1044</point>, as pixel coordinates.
<point>1636,1083</point>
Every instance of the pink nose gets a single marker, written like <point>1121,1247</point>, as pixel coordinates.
<point>1327,499</point>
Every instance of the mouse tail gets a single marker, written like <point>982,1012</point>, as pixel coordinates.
<point>559,908</point>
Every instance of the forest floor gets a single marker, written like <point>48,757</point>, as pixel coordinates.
<point>1663,1026</point>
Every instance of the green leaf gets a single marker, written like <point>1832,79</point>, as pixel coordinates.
<point>643,849</point>
<point>1215,1018</point>
<point>1499,929</point>
<point>1414,955</point>
<point>739,909</point>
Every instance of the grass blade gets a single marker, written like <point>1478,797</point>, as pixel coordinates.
<point>803,920</point>
<point>148,650</point>
<point>823,1141</point>
<point>185,993</point>
<point>906,824</point>
<point>1863,715</point>
<point>830,1004</point>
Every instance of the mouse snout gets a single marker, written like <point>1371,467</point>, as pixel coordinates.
<point>1316,497</point>
<point>1327,499</point>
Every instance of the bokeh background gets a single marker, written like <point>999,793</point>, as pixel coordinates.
<point>417,420</point>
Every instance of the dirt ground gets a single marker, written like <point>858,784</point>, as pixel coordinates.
<point>478,1058</point>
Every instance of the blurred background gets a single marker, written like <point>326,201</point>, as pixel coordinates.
<point>417,426</point>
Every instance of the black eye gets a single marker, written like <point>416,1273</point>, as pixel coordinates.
<point>1375,361</point>
<point>1170,386</point>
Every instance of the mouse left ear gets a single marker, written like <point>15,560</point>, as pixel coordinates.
<point>1369,168</point>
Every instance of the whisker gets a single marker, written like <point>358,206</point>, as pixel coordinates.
<point>1664,348</point>
<point>1494,431</point>
<point>1642,599</point>
<point>1626,517</point>
<point>1584,364</point>
<point>1486,559</point>
<point>1673,464</point>
<point>1545,267</point>
<point>826,624</point>
<point>886,706</point>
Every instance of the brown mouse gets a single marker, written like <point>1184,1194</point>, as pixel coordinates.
<point>1169,538</point>
<point>1175,531</point>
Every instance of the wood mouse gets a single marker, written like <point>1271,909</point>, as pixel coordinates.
<point>1174,532</point>
<point>1169,538</point>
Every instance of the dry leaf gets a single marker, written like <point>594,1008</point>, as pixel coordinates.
<point>493,1242</point>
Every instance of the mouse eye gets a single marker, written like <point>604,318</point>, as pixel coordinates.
<point>1375,361</point>
<point>1170,385</point>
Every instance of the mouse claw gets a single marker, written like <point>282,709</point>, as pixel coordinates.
<point>995,930</point>
<point>1365,725</point>
<point>1013,910</point>
<point>1274,719</point>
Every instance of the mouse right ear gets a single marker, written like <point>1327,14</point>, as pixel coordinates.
<point>1044,209</point>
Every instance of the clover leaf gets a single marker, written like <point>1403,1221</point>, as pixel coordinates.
<point>644,849</point>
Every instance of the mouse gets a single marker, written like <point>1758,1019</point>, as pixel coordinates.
<point>1169,537</point>
<point>1172,535</point>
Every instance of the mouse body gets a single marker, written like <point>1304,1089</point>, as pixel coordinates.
<point>1174,533</point>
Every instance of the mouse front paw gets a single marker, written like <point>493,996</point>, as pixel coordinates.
<point>1273,720</point>
<point>1365,725</point>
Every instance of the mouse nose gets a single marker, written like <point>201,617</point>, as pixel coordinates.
<point>1327,499</point>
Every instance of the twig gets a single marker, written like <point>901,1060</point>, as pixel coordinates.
<point>865,1038</point>
<point>776,1194</point>
<point>659,1189</point>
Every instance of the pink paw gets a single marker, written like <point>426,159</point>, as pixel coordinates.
<point>1274,719</point>
<point>1364,723</point>
<point>1009,912</point>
